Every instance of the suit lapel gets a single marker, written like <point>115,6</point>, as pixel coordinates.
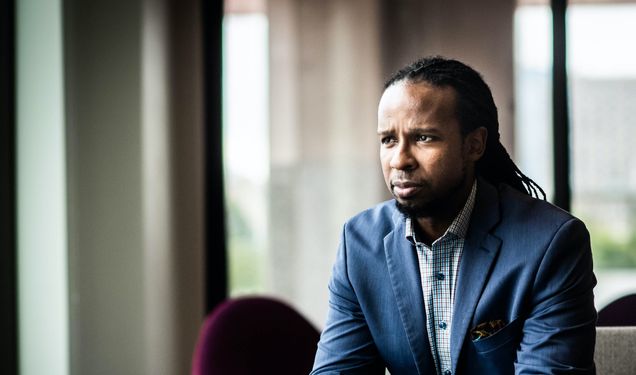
<point>480,251</point>
<point>404,273</point>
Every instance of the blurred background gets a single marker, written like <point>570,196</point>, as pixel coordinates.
<point>159,156</point>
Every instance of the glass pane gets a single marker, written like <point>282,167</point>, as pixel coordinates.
<point>246,144</point>
<point>602,77</point>
<point>533,93</point>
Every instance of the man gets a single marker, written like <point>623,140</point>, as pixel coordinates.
<point>464,272</point>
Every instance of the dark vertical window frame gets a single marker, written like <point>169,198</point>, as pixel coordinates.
<point>561,136</point>
<point>8,217</point>
<point>216,274</point>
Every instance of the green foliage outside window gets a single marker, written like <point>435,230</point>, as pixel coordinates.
<point>246,255</point>
<point>612,252</point>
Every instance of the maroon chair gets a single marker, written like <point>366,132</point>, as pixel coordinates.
<point>621,312</point>
<point>254,335</point>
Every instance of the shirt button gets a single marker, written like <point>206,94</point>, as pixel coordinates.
<point>447,372</point>
<point>440,276</point>
<point>442,325</point>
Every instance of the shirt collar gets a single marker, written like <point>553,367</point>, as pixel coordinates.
<point>459,226</point>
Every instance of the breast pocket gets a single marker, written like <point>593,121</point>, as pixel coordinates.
<point>505,338</point>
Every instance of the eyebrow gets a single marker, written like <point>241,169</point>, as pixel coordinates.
<point>425,129</point>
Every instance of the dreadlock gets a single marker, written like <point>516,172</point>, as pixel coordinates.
<point>475,108</point>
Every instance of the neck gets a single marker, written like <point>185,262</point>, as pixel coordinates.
<point>434,226</point>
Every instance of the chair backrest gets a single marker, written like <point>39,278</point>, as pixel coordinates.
<point>255,335</point>
<point>615,352</point>
<point>621,312</point>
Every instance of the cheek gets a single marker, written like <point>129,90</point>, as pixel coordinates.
<point>431,160</point>
<point>385,159</point>
<point>443,165</point>
<point>385,164</point>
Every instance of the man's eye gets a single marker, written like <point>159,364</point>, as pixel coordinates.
<point>424,138</point>
<point>387,140</point>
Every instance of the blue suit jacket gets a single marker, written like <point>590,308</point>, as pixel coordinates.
<point>524,261</point>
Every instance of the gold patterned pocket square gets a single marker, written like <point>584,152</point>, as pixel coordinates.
<point>486,329</point>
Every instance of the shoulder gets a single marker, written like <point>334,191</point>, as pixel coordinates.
<point>374,223</point>
<point>523,210</point>
<point>532,226</point>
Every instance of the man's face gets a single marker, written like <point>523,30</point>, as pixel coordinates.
<point>425,161</point>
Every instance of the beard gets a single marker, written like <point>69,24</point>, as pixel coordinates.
<point>432,203</point>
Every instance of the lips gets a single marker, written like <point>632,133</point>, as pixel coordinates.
<point>405,189</point>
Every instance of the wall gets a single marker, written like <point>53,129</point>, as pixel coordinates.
<point>135,190</point>
<point>479,33</point>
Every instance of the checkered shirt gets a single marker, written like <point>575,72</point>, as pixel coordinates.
<point>438,270</point>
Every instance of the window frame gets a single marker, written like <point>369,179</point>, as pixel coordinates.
<point>216,267</point>
<point>8,218</point>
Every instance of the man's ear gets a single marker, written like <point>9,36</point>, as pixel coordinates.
<point>475,143</point>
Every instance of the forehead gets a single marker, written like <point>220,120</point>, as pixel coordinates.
<point>418,100</point>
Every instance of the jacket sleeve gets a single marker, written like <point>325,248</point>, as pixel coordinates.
<point>346,345</point>
<point>559,332</point>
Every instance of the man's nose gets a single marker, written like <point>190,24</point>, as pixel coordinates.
<point>402,158</point>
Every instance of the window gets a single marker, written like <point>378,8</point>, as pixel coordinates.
<point>533,92</point>
<point>246,144</point>
<point>602,89</point>
<point>602,86</point>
